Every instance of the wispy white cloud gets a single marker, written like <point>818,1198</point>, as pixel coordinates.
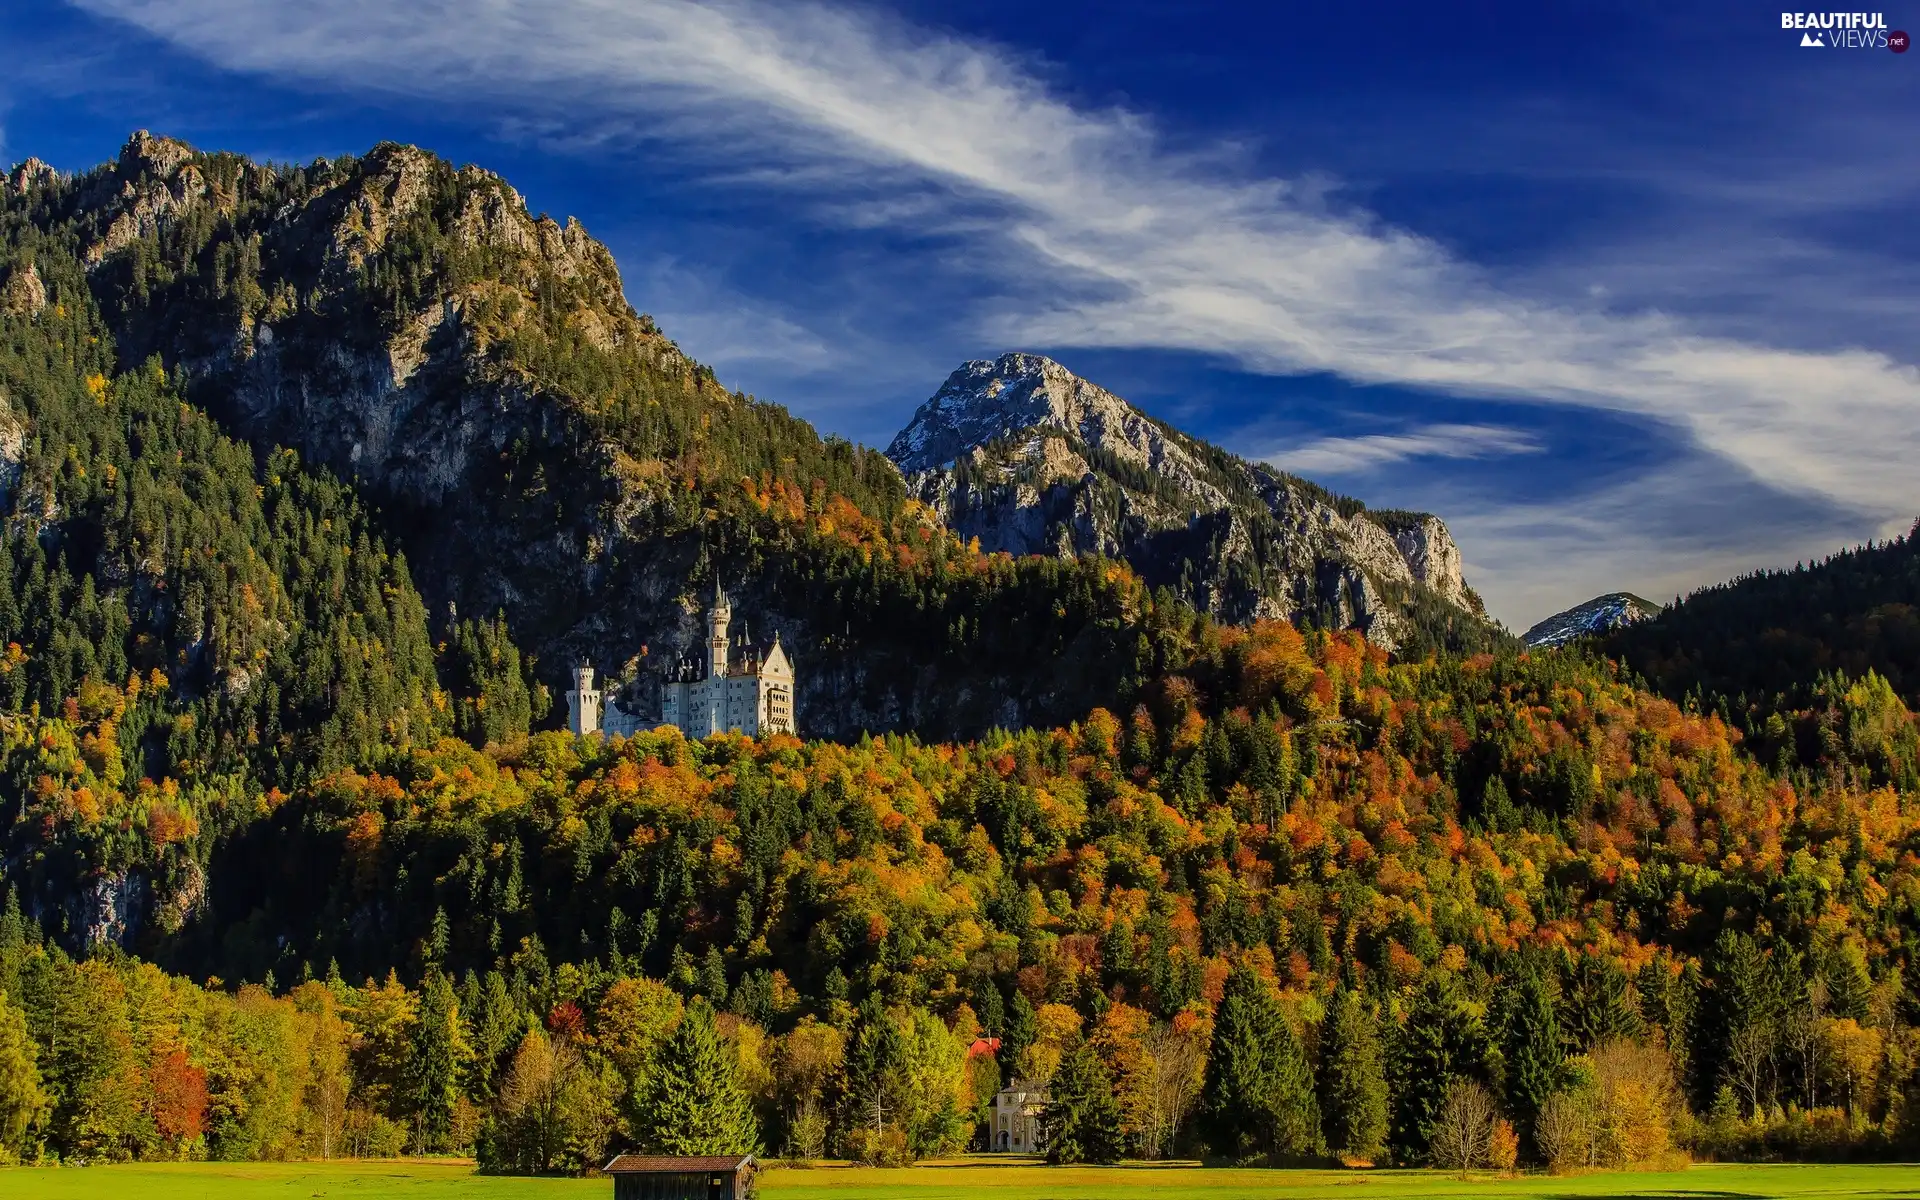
<point>1112,236</point>
<point>724,329</point>
<point>1345,455</point>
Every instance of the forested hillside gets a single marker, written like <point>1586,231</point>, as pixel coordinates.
<point>1769,637</point>
<point>1280,910</point>
<point>232,621</point>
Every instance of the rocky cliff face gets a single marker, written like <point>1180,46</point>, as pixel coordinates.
<point>400,321</point>
<point>1031,459</point>
<point>310,338</point>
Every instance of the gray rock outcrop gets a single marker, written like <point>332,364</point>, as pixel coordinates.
<point>1030,458</point>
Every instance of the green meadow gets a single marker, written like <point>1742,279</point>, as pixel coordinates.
<point>962,1179</point>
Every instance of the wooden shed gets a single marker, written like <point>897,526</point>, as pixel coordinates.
<point>664,1177</point>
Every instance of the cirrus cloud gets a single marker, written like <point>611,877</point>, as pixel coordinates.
<point>1345,455</point>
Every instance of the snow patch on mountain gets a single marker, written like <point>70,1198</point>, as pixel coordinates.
<point>1598,615</point>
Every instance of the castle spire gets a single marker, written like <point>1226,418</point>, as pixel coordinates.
<point>717,633</point>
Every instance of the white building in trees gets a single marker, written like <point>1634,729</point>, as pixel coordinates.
<point>732,684</point>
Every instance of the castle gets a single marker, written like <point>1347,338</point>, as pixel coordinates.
<point>734,685</point>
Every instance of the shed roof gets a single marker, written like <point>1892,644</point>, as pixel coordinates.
<point>645,1164</point>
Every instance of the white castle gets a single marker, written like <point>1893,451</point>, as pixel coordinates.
<point>735,685</point>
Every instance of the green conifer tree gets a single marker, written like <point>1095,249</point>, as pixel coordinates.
<point>1295,1106</point>
<point>1441,1041</point>
<point>1599,1005</point>
<point>1081,1121</point>
<point>1849,986</point>
<point>713,977</point>
<point>694,1103</point>
<point>1353,1077</point>
<point>1020,1028</point>
<point>1260,1101</point>
<point>1532,1051</point>
<point>874,1068</point>
<point>439,1049</point>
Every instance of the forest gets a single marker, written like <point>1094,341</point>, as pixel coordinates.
<point>297,864</point>
<point>1303,902</point>
<point>1764,640</point>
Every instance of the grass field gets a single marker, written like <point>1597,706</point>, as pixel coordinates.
<point>960,1180</point>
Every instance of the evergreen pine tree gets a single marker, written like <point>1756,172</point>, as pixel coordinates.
<point>1240,1074</point>
<point>1116,952</point>
<point>1849,987</point>
<point>438,937</point>
<point>1020,1029</point>
<point>1260,1100</point>
<point>694,1103</point>
<point>1082,1118</point>
<point>1440,1042</point>
<point>1743,1018</point>
<point>1599,1004</point>
<point>1295,1106</point>
<point>1532,1050</point>
<point>713,978</point>
<point>13,925</point>
<point>434,1064</point>
<point>1353,1078</point>
<point>497,1028</point>
<point>874,1062</point>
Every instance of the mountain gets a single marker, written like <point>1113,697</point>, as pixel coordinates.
<point>1029,458</point>
<point>1596,616</point>
<point>541,452</point>
<point>262,427</point>
<point>1775,633</point>
<point>305,468</point>
<point>188,624</point>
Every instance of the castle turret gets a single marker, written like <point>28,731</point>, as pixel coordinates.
<point>583,702</point>
<point>717,634</point>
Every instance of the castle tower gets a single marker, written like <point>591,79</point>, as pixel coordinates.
<point>717,634</point>
<point>774,689</point>
<point>583,702</point>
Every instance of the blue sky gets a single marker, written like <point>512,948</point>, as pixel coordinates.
<point>1627,292</point>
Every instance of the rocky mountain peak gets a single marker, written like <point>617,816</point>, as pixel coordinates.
<point>29,174</point>
<point>1598,615</point>
<point>146,154</point>
<point>1030,458</point>
<point>987,400</point>
<point>22,291</point>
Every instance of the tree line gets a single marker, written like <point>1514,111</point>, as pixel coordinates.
<point>1558,1059</point>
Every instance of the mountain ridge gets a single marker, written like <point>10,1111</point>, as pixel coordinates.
<point>1030,458</point>
<point>1775,634</point>
<point>544,453</point>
